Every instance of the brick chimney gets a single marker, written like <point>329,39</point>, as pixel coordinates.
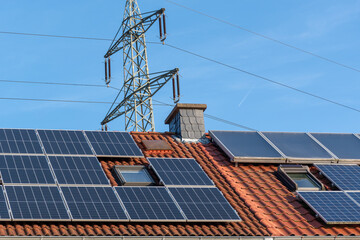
<point>187,120</point>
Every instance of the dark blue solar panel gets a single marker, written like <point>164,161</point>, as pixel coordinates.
<point>345,177</point>
<point>93,203</point>
<point>245,144</point>
<point>25,169</point>
<point>297,145</point>
<point>344,146</point>
<point>36,203</point>
<point>149,204</point>
<point>332,206</point>
<point>4,211</point>
<point>119,144</point>
<point>205,204</point>
<point>355,196</point>
<point>19,141</point>
<point>78,170</point>
<point>179,171</point>
<point>65,142</point>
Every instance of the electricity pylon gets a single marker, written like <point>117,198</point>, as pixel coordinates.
<point>139,85</point>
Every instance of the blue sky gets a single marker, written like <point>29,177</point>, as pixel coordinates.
<point>329,28</point>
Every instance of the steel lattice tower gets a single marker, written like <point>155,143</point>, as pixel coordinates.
<point>139,85</point>
<point>139,115</point>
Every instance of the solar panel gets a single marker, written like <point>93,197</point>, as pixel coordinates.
<point>180,171</point>
<point>332,206</point>
<point>19,141</point>
<point>204,204</point>
<point>93,203</point>
<point>355,196</point>
<point>344,146</point>
<point>4,211</point>
<point>242,145</point>
<point>78,170</point>
<point>119,144</point>
<point>36,203</point>
<point>297,145</point>
<point>345,177</point>
<point>64,142</point>
<point>25,169</point>
<point>149,204</point>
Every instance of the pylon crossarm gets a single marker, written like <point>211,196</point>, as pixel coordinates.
<point>155,84</point>
<point>146,22</point>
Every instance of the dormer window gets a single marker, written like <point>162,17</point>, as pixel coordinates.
<point>298,178</point>
<point>134,176</point>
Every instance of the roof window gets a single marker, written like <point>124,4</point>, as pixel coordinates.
<point>134,176</point>
<point>297,177</point>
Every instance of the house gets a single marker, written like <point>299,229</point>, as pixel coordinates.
<point>259,189</point>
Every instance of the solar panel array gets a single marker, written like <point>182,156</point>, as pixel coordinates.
<point>25,169</point>
<point>345,177</point>
<point>19,141</point>
<point>334,207</point>
<point>78,170</point>
<point>35,164</point>
<point>180,171</point>
<point>93,203</point>
<point>36,203</point>
<point>200,204</point>
<point>113,144</point>
<point>63,142</point>
<point>275,147</point>
<point>149,203</point>
<point>4,211</point>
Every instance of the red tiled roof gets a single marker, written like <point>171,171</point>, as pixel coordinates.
<point>264,204</point>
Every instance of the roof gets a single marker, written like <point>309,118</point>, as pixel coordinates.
<point>265,205</point>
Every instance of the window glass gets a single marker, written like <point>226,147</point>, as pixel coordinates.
<point>303,180</point>
<point>140,175</point>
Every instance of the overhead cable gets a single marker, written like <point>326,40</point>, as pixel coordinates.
<point>264,36</point>
<point>261,77</point>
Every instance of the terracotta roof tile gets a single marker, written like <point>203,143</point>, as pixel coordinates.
<point>261,200</point>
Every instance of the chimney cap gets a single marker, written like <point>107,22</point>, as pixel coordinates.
<point>184,106</point>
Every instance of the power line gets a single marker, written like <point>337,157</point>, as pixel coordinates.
<point>266,37</point>
<point>206,58</point>
<point>56,36</point>
<point>59,83</point>
<point>261,77</point>
<point>59,100</point>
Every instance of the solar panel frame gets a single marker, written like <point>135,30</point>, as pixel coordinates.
<point>180,172</point>
<point>338,142</point>
<point>54,210</point>
<point>4,206</point>
<point>308,143</point>
<point>107,144</point>
<point>78,170</point>
<point>65,142</point>
<point>79,204</point>
<point>336,209</point>
<point>192,201</point>
<point>340,175</point>
<point>20,141</point>
<point>136,202</point>
<point>26,170</point>
<point>275,156</point>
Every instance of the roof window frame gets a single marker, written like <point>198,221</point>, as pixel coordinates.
<point>283,174</point>
<point>122,180</point>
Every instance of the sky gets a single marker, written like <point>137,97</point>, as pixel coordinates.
<point>329,28</point>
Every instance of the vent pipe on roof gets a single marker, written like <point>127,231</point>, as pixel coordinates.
<point>187,121</point>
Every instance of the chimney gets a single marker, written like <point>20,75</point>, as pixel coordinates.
<point>187,121</point>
